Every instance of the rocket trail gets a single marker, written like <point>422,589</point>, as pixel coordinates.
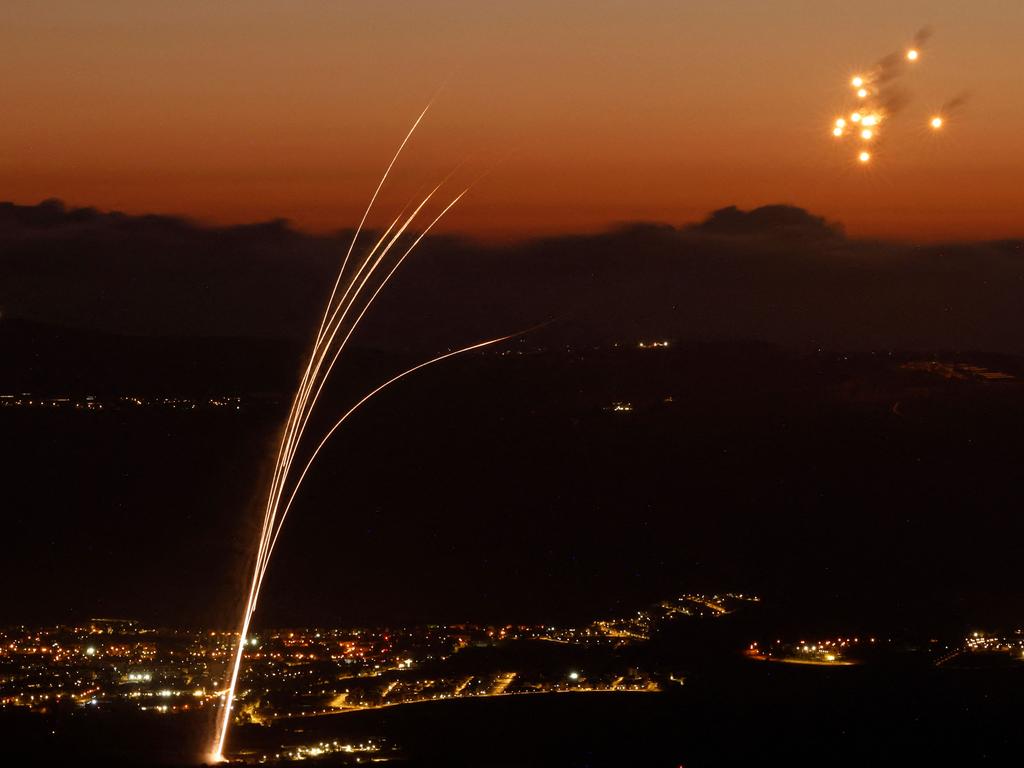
<point>336,328</point>
<point>342,346</point>
<point>369,395</point>
<point>362,221</point>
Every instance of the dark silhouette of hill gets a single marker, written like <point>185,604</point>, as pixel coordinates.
<point>776,273</point>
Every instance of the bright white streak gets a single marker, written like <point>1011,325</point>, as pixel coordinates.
<point>297,425</point>
<point>355,323</point>
<point>344,341</point>
<point>299,402</point>
<point>366,213</point>
<point>309,379</point>
<point>366,397</point>
<point>309,404</point>
<point>285,454</point>
<point>293,431</point>
<point>336,321</point>
<point>290,442</point>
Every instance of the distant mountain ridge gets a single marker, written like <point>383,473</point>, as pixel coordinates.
<point>775,273</point>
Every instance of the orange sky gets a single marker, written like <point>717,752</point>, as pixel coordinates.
<point>585,113</point>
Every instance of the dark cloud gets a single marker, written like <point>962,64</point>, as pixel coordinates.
<point>776,273</point>
<point>922,36</point>
<point>781,221</point>
<point>887,71</point>
<point>955,104</point>
<point>894,64</point>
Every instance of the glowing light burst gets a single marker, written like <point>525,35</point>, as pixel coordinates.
<point>876,94</point>
<point>353,293</point>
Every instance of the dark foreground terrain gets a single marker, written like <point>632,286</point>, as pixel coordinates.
<point>871,492</point>
<point>752,716</point>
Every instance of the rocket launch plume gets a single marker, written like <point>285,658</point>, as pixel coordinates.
<point>358,283</point>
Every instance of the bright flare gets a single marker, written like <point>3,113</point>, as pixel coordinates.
<point>840,123</point>
<point>864,156</point>
<point>912,55</point>
<point>866,134</point>
<point>857,81</point>
<point>936,122</point>
<point>862,93</point>
<point>855,117</point>
<point>837,131</point>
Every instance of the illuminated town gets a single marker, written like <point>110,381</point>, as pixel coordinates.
<point>303,672</point>
<point>294,676</point>
<point>95,403</point>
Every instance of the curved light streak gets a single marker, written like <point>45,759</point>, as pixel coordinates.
<point>326,350</point>
<point>358,405</point>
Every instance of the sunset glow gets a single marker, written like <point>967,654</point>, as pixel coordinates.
<point>201,110</point>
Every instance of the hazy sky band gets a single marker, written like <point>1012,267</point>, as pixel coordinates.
<point>592,112</point>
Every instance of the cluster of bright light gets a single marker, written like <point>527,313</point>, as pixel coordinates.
<point>979,641</point>
<point>868,117</point>
<point>317,750</point>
